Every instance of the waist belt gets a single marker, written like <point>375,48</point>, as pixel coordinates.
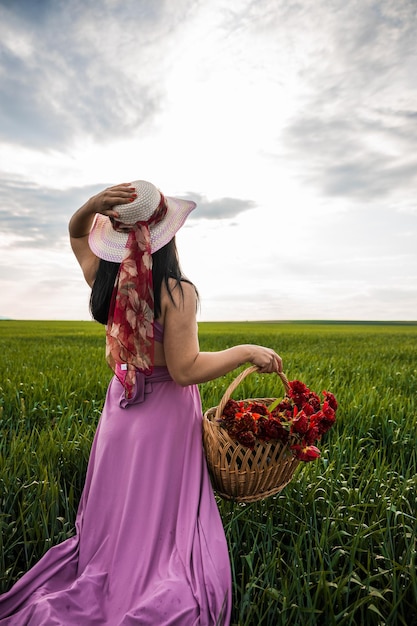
<point>143,384</point>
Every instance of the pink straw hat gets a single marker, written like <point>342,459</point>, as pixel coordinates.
<point>109,244</point>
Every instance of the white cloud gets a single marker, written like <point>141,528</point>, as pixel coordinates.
<point>292,124</point>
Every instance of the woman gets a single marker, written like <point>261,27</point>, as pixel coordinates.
<point>149,547</point>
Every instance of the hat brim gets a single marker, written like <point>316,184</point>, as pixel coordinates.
<point>109,244</point>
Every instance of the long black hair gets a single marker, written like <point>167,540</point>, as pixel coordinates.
<point>165,265</point>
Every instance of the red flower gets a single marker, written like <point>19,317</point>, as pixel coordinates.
<point>308,409</point>
<point>313,400</point>
<point>298,419</point>
<point>272,429</point>
<point>324,419</point>
<point>312,435</point>
<point>258,408</point>
<point>285,405</point>
<point>298,388</point>
<point>305,453</point>
<point>243,422</point>
<point>230,409</point>
<point>331,400</point>
<point>256,416</point>
<point>246,438</point>
<point>298,392</point>
<point>300,423</point>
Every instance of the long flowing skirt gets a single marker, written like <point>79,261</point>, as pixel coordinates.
<point>149,547</point>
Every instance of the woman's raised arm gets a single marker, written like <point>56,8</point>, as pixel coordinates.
<point>80,224</point>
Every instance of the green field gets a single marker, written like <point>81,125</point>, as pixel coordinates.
<point>337,546</point>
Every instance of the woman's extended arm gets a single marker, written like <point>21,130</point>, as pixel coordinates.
<point>186,364</point>
<point>82,220</point>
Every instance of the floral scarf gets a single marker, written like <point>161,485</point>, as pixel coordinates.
<point>129,330</point>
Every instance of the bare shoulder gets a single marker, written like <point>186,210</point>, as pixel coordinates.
<point>179,311</point>
<point>182,296</point>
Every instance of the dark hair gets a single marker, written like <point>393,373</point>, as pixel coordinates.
<point>165,265</point>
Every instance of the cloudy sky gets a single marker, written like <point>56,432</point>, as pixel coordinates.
<point>292,124</point>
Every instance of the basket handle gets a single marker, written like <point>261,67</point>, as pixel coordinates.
<point>235,383</point>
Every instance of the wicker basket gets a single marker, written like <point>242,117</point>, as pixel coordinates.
<point>237,472</point>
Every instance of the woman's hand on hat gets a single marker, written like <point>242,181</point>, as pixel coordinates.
<point>266,359</point>
<point>105,200</point>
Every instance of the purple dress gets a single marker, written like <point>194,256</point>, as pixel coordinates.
<point>149,548</point>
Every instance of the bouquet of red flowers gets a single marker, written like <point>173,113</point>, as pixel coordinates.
<point>298,420</point>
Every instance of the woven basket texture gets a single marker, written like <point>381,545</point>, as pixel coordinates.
<point>237,472</point>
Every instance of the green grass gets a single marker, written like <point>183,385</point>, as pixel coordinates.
<point>337,546</point>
